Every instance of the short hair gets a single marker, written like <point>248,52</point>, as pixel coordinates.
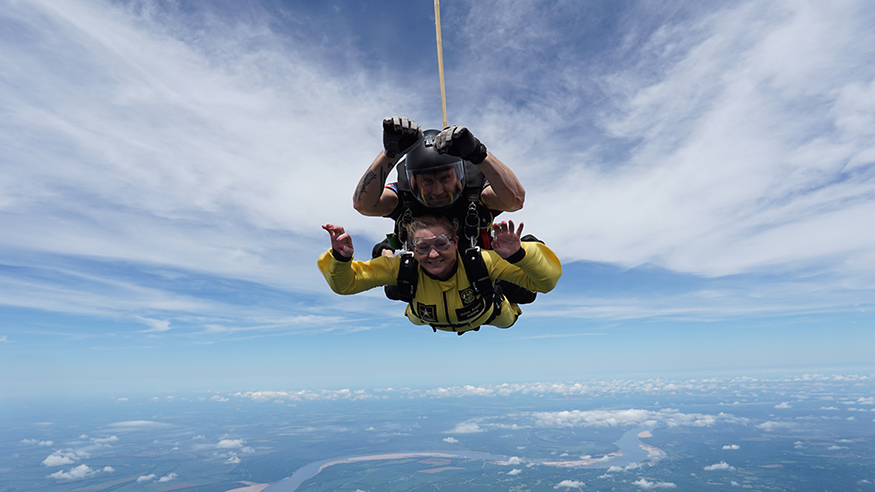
<point>427,221</point>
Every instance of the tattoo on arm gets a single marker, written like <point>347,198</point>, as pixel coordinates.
<point>363,184</point>
<point>369,178</point>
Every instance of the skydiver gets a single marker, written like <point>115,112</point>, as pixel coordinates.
<point>447,293</point>
<point>448,173</point>
<point>438,168</point>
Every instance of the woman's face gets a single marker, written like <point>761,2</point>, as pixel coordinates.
<point>427,245</point>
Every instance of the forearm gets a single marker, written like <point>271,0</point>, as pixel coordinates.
<point>507,193</point>
<point>352,277</point>
<point>368,197</point>
<point>538,270</point>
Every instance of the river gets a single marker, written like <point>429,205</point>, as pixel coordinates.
<point>630,450</point>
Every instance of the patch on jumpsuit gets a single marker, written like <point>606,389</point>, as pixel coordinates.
<point>468,296</point>
<point>427,312</point>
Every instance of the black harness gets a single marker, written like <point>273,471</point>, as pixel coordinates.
<point>475,220</point>
<point>474,217</point>
<point>475,270</point>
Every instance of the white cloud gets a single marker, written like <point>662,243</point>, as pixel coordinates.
<point>783,405</point>
<point>147,478</point>
<point>108,469</point>
<point>646,484</point>
<point>61,458</point>
<point>515,471</point>
<point>731,85</point>
<point>75,473</point>
<point>460,391</point>
<point>38,442</point>
<point>137,425</point>
<point>230,443</point>
<point>467,428</point>
<point>722,466</point>
<point>233,459</point>
<point>104,440</point>
<point>513,460</point>
<point>451,440</point>
<point>770,426</point>
<point>604,418</point>
<point>208,163</point>
<point>732,446</point>
<point>155,325</point>
<point>182,164</point>
<point>616,469</point>
<point>307,395</point>
<point>168,477</point>
<point>570,484</point>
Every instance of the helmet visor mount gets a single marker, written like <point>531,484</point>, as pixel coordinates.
<point>438,186</point>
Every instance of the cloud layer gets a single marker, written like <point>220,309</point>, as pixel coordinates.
<point>165,168</point>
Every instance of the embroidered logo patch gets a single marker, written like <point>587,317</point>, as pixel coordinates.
<point>468,296</point>
<point>427,312</point>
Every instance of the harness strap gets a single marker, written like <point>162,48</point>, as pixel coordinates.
<point>472,219</point>
<point>407,200</point>
<point>408,276</point>
<point>478,277</point>
<point>475,270</point>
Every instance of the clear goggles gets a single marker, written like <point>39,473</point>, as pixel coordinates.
<point>423,245</point>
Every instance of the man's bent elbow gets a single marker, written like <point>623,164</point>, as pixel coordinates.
<point>365,209</point>
<point>516,201</point>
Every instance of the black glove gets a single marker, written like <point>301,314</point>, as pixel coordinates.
<point>460,142</point>
<point>400,136</point>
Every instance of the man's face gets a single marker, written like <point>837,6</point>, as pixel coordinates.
<point>427,244</point>
<point>437,189</point>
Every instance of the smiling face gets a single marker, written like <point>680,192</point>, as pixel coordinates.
<point>427,245</point>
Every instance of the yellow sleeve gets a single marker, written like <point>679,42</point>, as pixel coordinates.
<point>352,277</point>
<point>539,270</point>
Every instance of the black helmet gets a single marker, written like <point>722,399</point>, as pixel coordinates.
<point>437,180</point>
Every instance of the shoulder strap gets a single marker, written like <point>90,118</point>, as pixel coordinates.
<point>474,223</point>
<point>478,277</point>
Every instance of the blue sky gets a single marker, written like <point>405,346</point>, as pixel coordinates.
<point>705,171</point>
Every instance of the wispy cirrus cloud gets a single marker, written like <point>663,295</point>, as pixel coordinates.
<point>165,168</point>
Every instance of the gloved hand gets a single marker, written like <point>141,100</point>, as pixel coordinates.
<point>400,136</point>
<point>460,142</point>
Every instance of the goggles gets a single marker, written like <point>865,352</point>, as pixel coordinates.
<point>423,245</point>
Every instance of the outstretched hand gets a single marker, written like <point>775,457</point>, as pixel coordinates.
<point>506,241</point>
<point>340,240</point>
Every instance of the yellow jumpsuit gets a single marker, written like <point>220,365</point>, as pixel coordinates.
<point>452,304</point>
